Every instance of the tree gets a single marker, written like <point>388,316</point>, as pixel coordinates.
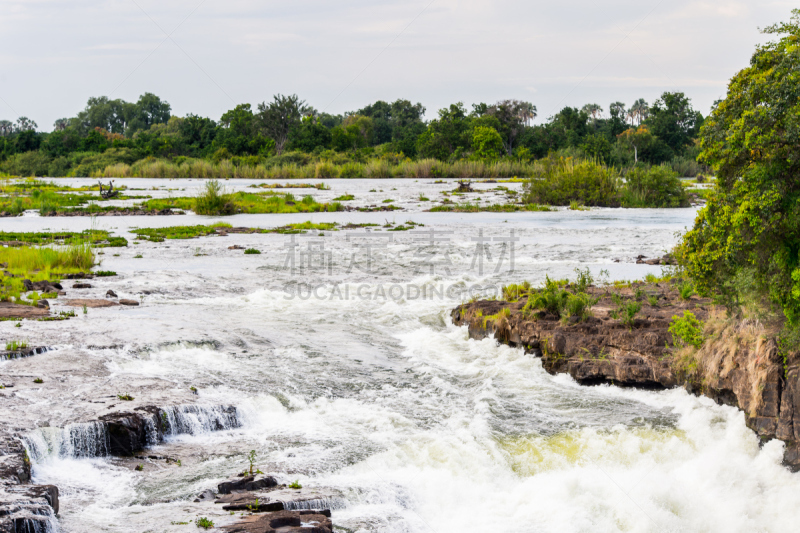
<point>745,244</point>
<point>25,124</point>
<point>60,124</point>
<point>310,135</point>
<point>513,115</point>
<point>446,134</point>
<point>638,111</point>
<point>593,110</point>
<point>239,134</point>
<point>148,110</point>
<point>277,118</point>
<point>486,143</point>
<point>673,120</point>
<point>6,128</point>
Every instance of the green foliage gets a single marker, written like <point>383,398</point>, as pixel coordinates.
<point>252,251</point>
<point>579,305</point>
<point>295,485</point>
<point>513,292</point>
<point>125,397</point>
<point>560,181</point>
<point>657,186</point>
<point>204,523</point>
<point>687,330</point>
<point>486,143</point>
<point>750,227</point>
<point>344,198</point>
<point>13,346</point>
<point>214,200</point>
<point>494,208</point>
<point>686,290</point>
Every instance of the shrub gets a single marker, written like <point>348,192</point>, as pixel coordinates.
<point>251,251</point>
<point>657,186</point>
<point>687,330</point>
<point>579,305</point>
<point>204,522</point>
<point>214,200</point>
<point>559,181</point>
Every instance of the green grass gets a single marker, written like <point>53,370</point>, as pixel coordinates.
<point>243,202</point>
<point>178,232</point>
<point>295,485</point>
<point>492,208</point>
<point>344,198</point>
<point>99,238</point>
<point>252,251</point>
<point>191,232</point>
<point>13,346</point>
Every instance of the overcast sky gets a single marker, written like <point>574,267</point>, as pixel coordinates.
<point>204,57</point>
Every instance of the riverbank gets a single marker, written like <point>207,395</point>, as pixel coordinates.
<point>734,362</point>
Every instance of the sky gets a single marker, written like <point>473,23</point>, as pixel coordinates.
<point>206,56</point>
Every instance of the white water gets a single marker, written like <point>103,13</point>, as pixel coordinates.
<point>387,406</point>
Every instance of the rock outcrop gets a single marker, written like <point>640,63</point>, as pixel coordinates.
<point>23,506</point>
<point>738,364</point>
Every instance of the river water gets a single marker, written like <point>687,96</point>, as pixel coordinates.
<point>348,376</point>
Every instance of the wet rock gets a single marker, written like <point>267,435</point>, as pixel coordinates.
<point>81,285</point>
<point>43,304</point>
<point>23,507</point>
<point>247,483</point>
<point>235,247</point>
<point>205,496</point>
<point>81,302</point>
<point>125,301</point>
<point>111,294</point>
<point>310,521</point>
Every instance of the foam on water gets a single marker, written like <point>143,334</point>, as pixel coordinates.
<point>409,424</point>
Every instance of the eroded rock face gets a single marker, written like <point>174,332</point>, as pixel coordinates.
<point>23,506</point>
<point>248,483</point>
<point>284,522</point>
<point>738,365</point>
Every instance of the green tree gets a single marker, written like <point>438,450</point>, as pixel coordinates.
<point>277,118</point>
<point>673,120</point>
<point>486,143</point>
<point>447,134</point>
<point>745,244</point>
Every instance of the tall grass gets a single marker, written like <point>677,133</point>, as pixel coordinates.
<point>374,168</point>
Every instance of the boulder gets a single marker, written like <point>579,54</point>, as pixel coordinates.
<point>247,483</point>
<point>125,301</point>
<point>111,294</point>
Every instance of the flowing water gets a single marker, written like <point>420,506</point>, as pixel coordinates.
<point>358,385</point>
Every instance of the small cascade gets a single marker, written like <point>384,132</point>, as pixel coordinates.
<point>315,504</point>
<point>80,440</point>
<point>197,419</point>
<point>30,518</point>
<point>25,352</point>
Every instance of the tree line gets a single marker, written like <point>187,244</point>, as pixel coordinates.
<point>109,131</point>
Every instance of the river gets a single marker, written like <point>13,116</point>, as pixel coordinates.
<point>348,376</point>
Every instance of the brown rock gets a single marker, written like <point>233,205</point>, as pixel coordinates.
<point>81,285</point>
<point>125,301</point>
<point>80,302</point>
<point>11,310</point>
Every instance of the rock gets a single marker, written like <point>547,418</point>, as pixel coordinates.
<point>128,302</point>
<point>81,302</point>
<point>81,286</point>
<point>248,483</point>
<point>11,310</point>
<point>111,294</point>
<point>311,521</point>
<point>206,495</point>
<point>43,304</point>
<point>235,247</point>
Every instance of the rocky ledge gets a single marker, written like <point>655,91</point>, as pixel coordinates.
<point>271,507</point>
<point>738,364</point>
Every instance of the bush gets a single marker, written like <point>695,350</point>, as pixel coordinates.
<point>579,305</point>
<point>686,330</point>
<point>560,181</point>
<point>27,164</point>
<point>252,251</point>
<point>214,200</point>
<point>657,186</point>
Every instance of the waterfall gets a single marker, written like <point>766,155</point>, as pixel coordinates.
<point>31,518</point>
<point>80,440</point>
<point>315,504</point>
<point>196,419</point>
